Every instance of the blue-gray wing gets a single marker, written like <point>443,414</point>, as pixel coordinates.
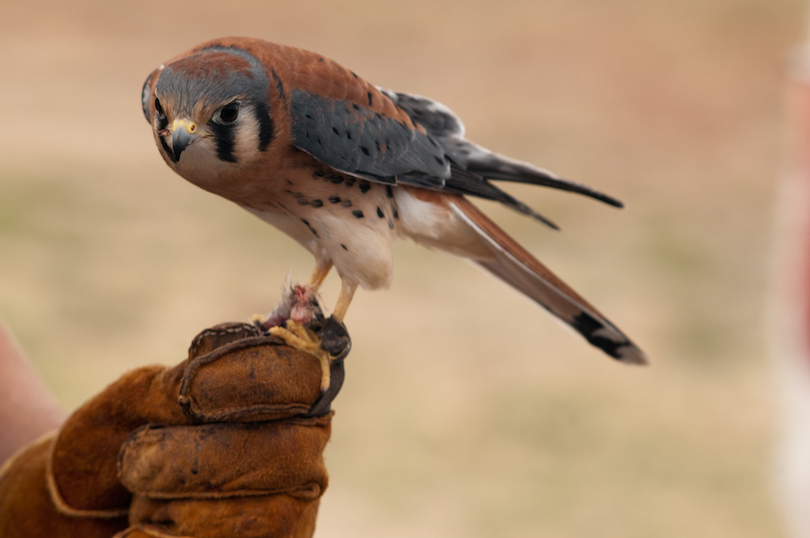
<point>433,154</point>
<point>356,140</point>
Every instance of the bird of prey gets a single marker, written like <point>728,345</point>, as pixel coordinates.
<point>344,167</point>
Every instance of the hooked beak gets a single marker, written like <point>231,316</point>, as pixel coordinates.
<point>183,133</point>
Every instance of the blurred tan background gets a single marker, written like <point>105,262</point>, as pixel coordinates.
<point>467,410</point>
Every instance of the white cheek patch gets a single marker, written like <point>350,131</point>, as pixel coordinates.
<point>246,141</point>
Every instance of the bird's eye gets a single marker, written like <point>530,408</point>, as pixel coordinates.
<point>229,112</point>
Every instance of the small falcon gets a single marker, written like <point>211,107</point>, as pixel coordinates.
<point>345,167</point>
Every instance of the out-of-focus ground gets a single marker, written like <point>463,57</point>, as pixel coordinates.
<point>467,410</point>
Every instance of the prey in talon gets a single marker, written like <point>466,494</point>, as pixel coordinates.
<point>299,321</point>
<point>345,167</point>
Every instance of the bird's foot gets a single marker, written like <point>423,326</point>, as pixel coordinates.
<point>299,337</point>
<point>299,321</point>
<point>329,342</point>
<point>325,339</point>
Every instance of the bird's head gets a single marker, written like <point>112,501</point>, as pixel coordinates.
<point>209,111</point>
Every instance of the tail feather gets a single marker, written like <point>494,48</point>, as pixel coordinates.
<point>514,265</point>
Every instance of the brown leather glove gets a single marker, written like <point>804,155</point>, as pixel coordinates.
<point>223,444</point>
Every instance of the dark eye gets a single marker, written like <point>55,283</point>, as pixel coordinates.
<point>229,112</point>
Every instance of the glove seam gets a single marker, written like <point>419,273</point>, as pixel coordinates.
<point>195,344</point>
<point>310,486</point>
<point>59,502</point>
<point>148,529</point>
<point>6,466</point>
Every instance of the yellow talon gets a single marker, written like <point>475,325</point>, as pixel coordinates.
<point>297,336</point>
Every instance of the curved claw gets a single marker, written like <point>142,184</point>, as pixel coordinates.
<point>335,339</point>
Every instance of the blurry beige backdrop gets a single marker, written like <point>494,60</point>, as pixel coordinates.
<point>467,410</point>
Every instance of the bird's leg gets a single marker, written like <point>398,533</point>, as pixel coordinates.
<point>344,299</point>
<point>319,274</point>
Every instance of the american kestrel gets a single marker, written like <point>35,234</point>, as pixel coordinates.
<point>345,167</point>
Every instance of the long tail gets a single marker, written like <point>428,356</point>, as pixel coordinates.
<point>514,265</point>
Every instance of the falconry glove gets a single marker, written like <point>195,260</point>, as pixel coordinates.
<point>227,443</point>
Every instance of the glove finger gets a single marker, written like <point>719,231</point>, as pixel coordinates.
<point>245,517</point>
<point>226,460</point>
<point>247,379</point>
<point>274,382</point>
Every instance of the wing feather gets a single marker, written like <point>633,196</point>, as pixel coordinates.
<point>356,140</point>
<point>448,129</point>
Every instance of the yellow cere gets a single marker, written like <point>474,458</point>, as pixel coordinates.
<point>189,126</point>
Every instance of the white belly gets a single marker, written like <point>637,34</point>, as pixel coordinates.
<point>360,249</point>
